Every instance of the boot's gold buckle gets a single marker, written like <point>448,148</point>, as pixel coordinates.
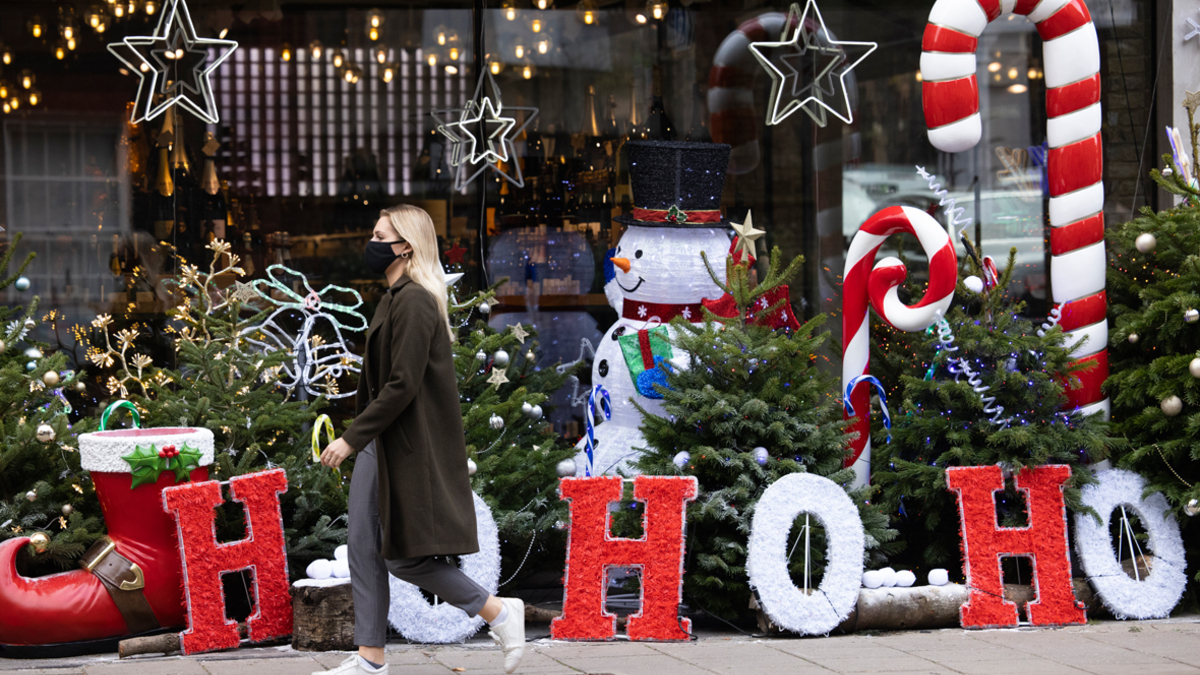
<point>139,580</point>
<point>109,547</point>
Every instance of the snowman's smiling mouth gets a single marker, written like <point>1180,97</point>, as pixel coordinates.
<point>641,280</point>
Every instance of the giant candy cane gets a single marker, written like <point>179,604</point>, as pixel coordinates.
<point>951,99</point>
<point>866,283</point>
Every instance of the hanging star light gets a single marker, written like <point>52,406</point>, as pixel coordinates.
<point>807,42</point>
<point>173,64</point>
<point>316,364</point>
<point>747,235</point>
<point>470,141</point>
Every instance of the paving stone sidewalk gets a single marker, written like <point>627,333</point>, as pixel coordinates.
<point>1103,648</point>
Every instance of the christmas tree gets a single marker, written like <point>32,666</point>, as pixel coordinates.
<point>984,386</point>
<point>747,407</point>
<point>228,379</point>
<point>503,389</point>
<point>43,492</point>
<point>1154,346</point>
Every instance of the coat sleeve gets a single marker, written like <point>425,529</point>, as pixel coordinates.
<point>415,321</point>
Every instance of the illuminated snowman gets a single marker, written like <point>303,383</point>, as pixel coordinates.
<point>658,275</point>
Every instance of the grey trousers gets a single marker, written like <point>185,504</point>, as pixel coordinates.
<point>369,570</point>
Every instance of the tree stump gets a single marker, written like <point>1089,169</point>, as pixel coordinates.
<point>323,617</point>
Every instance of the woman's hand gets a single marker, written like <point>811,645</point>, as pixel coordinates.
<point>335,453</point>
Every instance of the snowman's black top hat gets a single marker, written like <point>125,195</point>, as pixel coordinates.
<point>676,184</point>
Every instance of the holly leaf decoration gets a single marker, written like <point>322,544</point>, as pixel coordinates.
<point>182,464</point>
<point>147,464</point>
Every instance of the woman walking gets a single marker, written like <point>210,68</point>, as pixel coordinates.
<point>410,495</point>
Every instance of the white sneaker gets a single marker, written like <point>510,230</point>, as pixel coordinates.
<point>354,665</point>
<point>510,635</point>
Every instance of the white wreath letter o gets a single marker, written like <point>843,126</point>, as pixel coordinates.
<point>1157,594</point>
<point>767,562</point>
<point>419,621</point>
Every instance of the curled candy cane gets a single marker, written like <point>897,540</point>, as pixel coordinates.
<point>1055,317</point>
<point>870,284</point>
<point>1074,156</point>
<point>598,395</point>
<point>849,407</point>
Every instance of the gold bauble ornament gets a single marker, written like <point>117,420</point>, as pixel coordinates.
<point>81,386</point>
<point>45,433</point>
<point>3,345</point>
<point>1133,338</point>
<point>39,540</point>
<point>530,356</point>
<point>50,378</point>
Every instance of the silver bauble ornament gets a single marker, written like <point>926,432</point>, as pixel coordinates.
<point>21,284</point>
<point>535,413</point>
<point>31,366</point>
<point>565,468</point>
<point>3,345</point>
<point>1171,406</point>
<point>761,455</point>
<point>1192,315</point>
<point>682,458</point>
<point>1133,338</point>
<point>1192,507</point>
<point>1168,171</point>
<point>530,356</point>
<point>496,421</point>
<point>30,324</point>
<point>45,433</point>
<point>31,495</point>
<point>471,468</point>
<point>500,358</point>
<point>50,378</point>
<point>39,540</point>
<point>67,509</point>
<point>1145,242</point>
<point>480,356</point>
<point>1194,367</point>
<point>526,407</point>
<point>560,525</point>
<point>485,308</point>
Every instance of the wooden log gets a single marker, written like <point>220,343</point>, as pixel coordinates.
<point>906,608</point>
<point>323,618</point>
<point>153,644</point>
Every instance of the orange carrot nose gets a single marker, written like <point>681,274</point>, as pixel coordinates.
<point>623,263</point>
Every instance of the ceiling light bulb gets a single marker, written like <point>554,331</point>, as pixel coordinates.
<point>519,51</point>
<point>543,4</point>
<point>27,78</point>
<point>35,97</point>
<point>285,52</point>
<point>543,46</point>
<point>527,72</point>
<point>1012,73</point>
<point>119,11</point>
<point>495,67</point>
<point>223,33</point>
<point>454,53</point>
<point>1017,89</point>
<point>641,18</point>
<point>71,44</point>
<point>994,67</point>
<point>316,50</point>
<point>510,13</point>
<point>432,60</point>
<point>150,7</point>
<point>535,25</point>
<point>451,70</point>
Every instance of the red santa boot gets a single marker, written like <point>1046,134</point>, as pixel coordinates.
<point>132,580</point>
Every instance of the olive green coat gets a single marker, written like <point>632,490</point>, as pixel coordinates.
<point>408,402</point>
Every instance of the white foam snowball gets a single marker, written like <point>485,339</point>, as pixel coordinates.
<point>340,553</point>
<point>319,569</point>
<point>974,284</point>
<point>341,569</point>
<point>939,577</point>
<point>905,578</point>
<point>889,576</point>
<point>872,579</point>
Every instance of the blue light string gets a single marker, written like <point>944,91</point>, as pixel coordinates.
<point>869,379</point>
<point>598,394</point>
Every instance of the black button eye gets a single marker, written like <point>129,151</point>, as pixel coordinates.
<point>637,254</point>
<point>618,333</point>
<point>618,249</point>
<point>603,368</point>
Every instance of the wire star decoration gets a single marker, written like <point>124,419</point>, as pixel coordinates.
<point>173,63</point>
<point>807,47</point>
<point>747,235</point>
<point>467,130</point>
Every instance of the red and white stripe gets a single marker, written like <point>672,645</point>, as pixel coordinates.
<point>732,116</point>
<point>867,283</point>
<point>950,95</point>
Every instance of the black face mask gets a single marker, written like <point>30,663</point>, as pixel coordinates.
<point>379,255</point>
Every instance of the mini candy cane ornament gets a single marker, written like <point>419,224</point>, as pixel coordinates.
<point>950,95</point>
<point>877,286</point>
<point>598,396</point>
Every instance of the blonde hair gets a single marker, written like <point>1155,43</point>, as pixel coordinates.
<point>415,226</point>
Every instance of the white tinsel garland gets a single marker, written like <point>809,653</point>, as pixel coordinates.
<point>419,621</point>
<point>767,562</point>
<point>1158,592</point>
